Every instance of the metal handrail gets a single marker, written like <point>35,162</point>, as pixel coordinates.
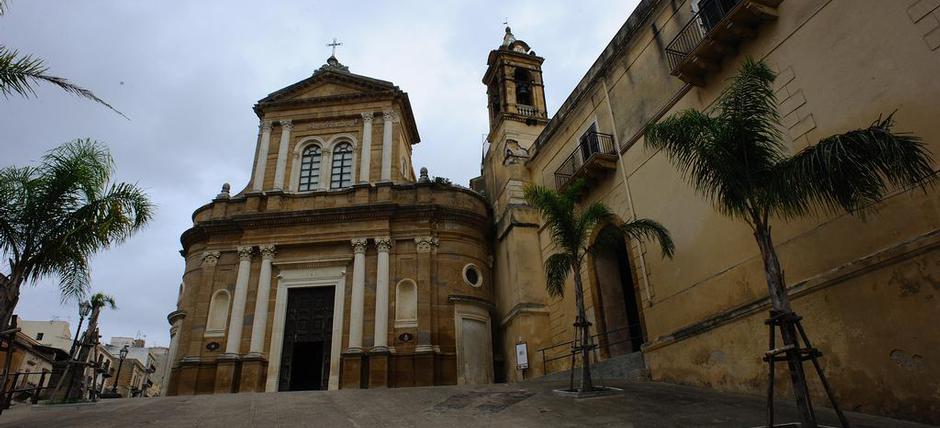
<point>592,143</point>
<point>710,13</point>
<point>634,330</point>
<point>6,396</point>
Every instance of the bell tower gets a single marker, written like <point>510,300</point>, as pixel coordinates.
<point>513,82</point>
<point>517,115</point>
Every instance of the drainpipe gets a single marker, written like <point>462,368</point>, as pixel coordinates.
<point>623,175</point>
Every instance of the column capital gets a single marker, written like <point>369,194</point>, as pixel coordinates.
<point>367,117</point>
<point>265,125</point>
<point>389,116</point>
<point>426,243</point>
<point>359,245</point>
<point>286,124</point>
<point>244,252</point>
<point>211,258</point>
<point>383,243</point>
<point>267,252</point>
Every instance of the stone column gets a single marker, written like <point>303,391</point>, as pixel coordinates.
<point>381,295</point>
<point>260,323</point>
<point>176,320</point>
<point>365,158</point>
<point>236,321</point>
<point>286,126</point>
<point>326,168</point>
<point>424,349</point>
<point>262,161</point>
<point>357,303</point>
<point>389,119</point>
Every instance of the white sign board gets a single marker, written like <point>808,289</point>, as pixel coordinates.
<point>522,356</point>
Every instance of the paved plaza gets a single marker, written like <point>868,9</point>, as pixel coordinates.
<point>646,404</point>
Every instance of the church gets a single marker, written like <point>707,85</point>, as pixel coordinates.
<point>338,266</point>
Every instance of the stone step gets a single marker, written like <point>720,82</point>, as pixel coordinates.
<point>630,367</point>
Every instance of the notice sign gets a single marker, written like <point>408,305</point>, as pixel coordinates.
<point>522,356</point>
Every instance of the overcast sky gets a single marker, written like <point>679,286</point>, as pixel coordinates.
<point>188,73</point>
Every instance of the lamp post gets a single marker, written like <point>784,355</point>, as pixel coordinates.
<point>117,377</point>
<point>83,310</point>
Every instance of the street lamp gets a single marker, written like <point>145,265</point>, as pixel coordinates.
<point>83,310</point>
<point>117,377</point>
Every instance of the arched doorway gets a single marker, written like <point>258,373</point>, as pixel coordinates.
<point>618,296</point>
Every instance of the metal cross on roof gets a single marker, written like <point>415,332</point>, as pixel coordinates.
<point>333,45</point>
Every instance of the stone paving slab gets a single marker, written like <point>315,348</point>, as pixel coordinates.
<point>640,405</point>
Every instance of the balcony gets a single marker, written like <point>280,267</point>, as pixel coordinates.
<point>594,156</point>
<point>528,111</point>
<point>713,33</point>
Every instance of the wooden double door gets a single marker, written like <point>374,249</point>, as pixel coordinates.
<point>308,331</point>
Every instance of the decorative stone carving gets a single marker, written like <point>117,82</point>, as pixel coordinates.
<point>426,243</point>
<point>424,176</point>
<point>287,124</point>
<point>359,245</point>
<point>334,124</point>
<point>211,258</point>
<point>383,244</point>
<point>265,125</point>
<point>515,153</point>
<point>244,252</point>
<point>224,194</point>
<point>367,117</point>
<point>389,116</point>
<point>267,252</point>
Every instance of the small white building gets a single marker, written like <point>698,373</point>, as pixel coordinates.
<point>54,334</point>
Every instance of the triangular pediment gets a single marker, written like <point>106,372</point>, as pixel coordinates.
<point>328,84</point>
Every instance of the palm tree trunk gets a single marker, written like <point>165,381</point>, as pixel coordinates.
<point>780,302</point>
<point>586,383</point>
<point>9,296</point>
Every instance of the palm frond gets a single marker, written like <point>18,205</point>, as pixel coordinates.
<point>74,279</point>
<point>558,212</point>
<point>557,268</point>
<point>594,214</point>
<point>644,229</point>
<point>848,171</point>
<point>18,73</point>
<point>100,300</point>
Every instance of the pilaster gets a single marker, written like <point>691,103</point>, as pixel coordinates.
<point>262,161</point>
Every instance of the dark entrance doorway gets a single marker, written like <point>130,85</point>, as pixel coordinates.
<point>308,328</point>
<point>618,293</point>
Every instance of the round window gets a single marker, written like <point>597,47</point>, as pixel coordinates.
<point>472,276</point>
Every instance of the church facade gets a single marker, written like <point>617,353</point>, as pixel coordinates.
<point>337,267</point>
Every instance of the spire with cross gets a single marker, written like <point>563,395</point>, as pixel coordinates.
<point>332,62</point>
<point>333,45</point>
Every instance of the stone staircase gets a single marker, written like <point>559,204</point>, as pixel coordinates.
<point>630,367</point>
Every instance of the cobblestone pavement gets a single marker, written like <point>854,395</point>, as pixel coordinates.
<point>513,405</point>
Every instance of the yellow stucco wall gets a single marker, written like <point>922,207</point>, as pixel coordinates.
<point>866,286</point>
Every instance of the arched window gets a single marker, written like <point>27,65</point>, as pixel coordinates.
<point>406,304</point>
<point>218,314</point>
<point>523,86</point>
<point>341,175</point>
<point>310,169</point>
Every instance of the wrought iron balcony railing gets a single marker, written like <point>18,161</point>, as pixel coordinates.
<point>595,150</point>
<point>713,33</point>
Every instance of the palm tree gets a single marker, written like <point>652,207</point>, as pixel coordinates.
<point>89,340</point>
<point>571,230</point>
<point>733,156</point>
<point>56,215</point>
<point>18,73</point>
